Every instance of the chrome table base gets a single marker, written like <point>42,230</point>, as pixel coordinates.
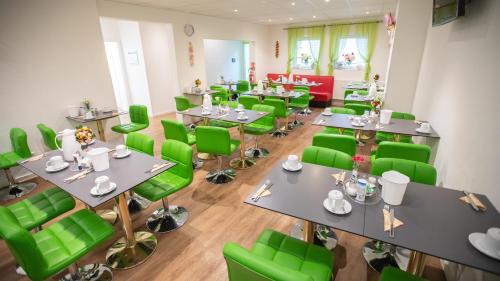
<point>220,176</point>
<point>17,190</point>
<point>279,133</point>
<point>90,272</point>
<point>121,256</point>
<point>256,152</point>
<point>108,215</point>
<point>161,221</point>
<point>379,255</point>
<point>136,203</point>
<point>241,164</point>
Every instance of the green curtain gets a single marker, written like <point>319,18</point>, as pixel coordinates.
<point>307,33</point>
<point>337,32</point>
<point>369,32</point>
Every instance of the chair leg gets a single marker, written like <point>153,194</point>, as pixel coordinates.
<point>197,162</point>
<point>220,176</point>
<point>137,203</point>
<point>256,151</point>
<point>15,190</point>
<point>296,122</point>
<point>89,272</point>
<point>167,218</point>
<point>279,133</point>
<point>378,255</point>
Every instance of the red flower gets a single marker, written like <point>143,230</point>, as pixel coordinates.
<point>358,158</point>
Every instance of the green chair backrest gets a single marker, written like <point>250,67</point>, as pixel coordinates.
<point>267,120</point>
<point>342,143</point>
<point>248,101</point>
<point>304,99</point>
<point>22,245</point>
<point>48,135</point>
<point>180,153</point>
<point>279,106</point>
<point>182,103</point>
<point>221,93</point>
<point>417,171</point>
<point>174,130</point>
<point>351,91</point>
<point>19,142</point>
<point>400,150</point>
<point>342,110</point>
<point>359,108</point>
<point>295,88</point>
<point>243,85</point>
<point>141,143</point>
<point>327,157</point>
<point>139,114</point>
<point>214,140</point>
<point>402,115</point>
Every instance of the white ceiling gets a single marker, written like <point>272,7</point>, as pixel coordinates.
<point>276,11</point>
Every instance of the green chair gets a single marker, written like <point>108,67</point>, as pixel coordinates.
<point>340,110</point>
<point>327,157</point>
<point>276,256</point>
<point>302,102</point>
<point>144,144</point>
<point>417,171</point>
<point>409,151</point>
<point>174,179</point>
<point>139,120</point>
<point>394,274</point>
<point>216,141</point>
<point>342,143</point>
<point>280,111</point>
<point>260,127</point>
<point>382,136</point>
<point>306,111</point>
<point>242,86</point>
<point>351,91</point>
<point>359,108</point>
<point>49,251</point>
<point>221,93</point>
<point>20,151</point>
<point>176,131</point>
<point>248,101</point>
<point>49,136</point>
<point>182,103</point>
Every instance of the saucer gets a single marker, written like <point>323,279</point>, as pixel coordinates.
<point>54,169</point>
<point>285,166</point>
<point>95,192</point>
<point>476,239</point>
<point>242,118</point>
<point>326,113</point>
<point>115,155</point>
<point>347,207</point>
<point>239,110</point>
<point>206,112</point>
<point>358,124</point>
<point>347,189</point>
<point>422,132</point>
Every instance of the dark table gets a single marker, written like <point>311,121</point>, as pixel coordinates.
<point>436,222</point>
<point>98,118</point>
<point>127,173</point>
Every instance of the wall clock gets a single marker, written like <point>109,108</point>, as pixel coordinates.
<point>188,29</point>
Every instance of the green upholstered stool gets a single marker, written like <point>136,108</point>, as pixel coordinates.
<point>280,111</point>
<point>182,103</point>
<point>342,143</point>
<point>220,96</point>
<point>177,131</point>
<point>48,136</point>
<point>223,100</point>
<point>359,108</point>
<point>300,105</point>
<point>260,127</point>
<point>248,101</point>
<point>139,120</point>
<point>340,110</point>
<point>174,179</point>
<point>20,151</point>
<point>394,274</point>
<point>409,151</point>
<point>216,141</point>
<point>144,144</point>
<point>327,157</point>
<point>60,245</point>
<point>383,136</point>
<point>276,256</point>
<point>242,86</point>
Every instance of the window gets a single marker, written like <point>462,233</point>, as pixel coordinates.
<point>307,54</point>
<point>349,54</point>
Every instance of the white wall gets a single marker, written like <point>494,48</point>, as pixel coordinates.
<point>342,77</point>
<point>218,55</point>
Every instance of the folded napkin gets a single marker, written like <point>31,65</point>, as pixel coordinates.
<point>33,158</point>
<point>159,166</point>
<point>387,221</point>
<point>77,176</point>
<point>479,204</point>
<point>321,122</point>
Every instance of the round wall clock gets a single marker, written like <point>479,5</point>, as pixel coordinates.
<point>188,29</point>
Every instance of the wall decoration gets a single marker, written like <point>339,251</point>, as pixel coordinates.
<point>251,73</point>
<point>277,49</point>
<point>188,29</point>
<point>191,54</point>
<point>390,25</point>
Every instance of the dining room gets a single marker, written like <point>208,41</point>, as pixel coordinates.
<point>249,140</point>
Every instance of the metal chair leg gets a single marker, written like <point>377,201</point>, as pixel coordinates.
<point>167,218</point>
<point>256,151</point>
<point>15,190</point>
<point>89,272</point>
<point>220,176</point>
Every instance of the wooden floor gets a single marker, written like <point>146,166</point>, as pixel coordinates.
<point>217,215</point>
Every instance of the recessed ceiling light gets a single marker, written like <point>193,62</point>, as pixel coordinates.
<point>269,20</point>
<point>290,18</point>
<point>367,12</point>
<point>327,0</point>
<point>293,3</point>
<point>314,17</point>
<point>235,10</point>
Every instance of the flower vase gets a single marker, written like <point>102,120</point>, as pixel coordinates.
<point>355,168</point>
<point>88,114</point>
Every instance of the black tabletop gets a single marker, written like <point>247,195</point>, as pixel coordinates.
<point>126,173</point>
<point>99,116</point>
<point>231,116</point>
<point>396,126</point>
<point>435,221</point>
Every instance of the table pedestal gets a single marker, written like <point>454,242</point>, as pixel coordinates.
<point>242,162</point>
<point>308,232</point>
<point>416,264</point>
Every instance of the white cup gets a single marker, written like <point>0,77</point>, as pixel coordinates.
<point>121,149</point>
<point>241,115</point>
<point>55,162</point>
<point>425,127</point>
<point>293,161</point>
<point>240,106</point>
<point>328,109</point>
<point>491,240</point>
<point>102,183</point>
<point>357,120</point>
<point>336,199</point>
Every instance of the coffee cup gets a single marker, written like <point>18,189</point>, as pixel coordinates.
<point>240,107</point>
<point>121,150</point>
<point>55,162</point>
<point>328,109</point>
<point>491,240</point>
<point>357,120</point>
<point>102,184</point>
<point>425,127</point>
<point>336,200</point>
<point>241,115</point>
<point>293,161</point>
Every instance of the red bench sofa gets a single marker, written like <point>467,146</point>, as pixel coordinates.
<point>323,94</point>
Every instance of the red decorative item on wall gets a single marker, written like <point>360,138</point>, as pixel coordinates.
<point>277,49</point>
<point>191,54</point>
<point>251,73</point>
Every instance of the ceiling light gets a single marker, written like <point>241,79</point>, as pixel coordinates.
<point>235,10</point>
<point>293,3</point>
<point>290,18</point>
<point>314,17</point>
<point>327,1</point>
<point>269,20</point>
<point>367,12</point>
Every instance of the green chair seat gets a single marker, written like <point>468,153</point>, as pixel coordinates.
<point>327,157</point>
<point>222,123</point>
<point>128,128</point>
<point>215,141</point>
<point>390,273</point>
<point>161,186</point>
<point>9,159</point>
<point>258,129</point>
<point>417,171</point>
<point>276,256</point>
<point>330,130</point>
<point>414,152</point>
<point>248,101</point>
<point>262,125</point>
<point>182,103</point>
<point>342,143</point>
<point>42,207</point>
<point>138,120</point>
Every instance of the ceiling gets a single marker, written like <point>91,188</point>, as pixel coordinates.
<point>276,11</point>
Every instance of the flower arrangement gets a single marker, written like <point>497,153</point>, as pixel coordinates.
<point>349,58</point>
<point>305,58</point>
<point>84,134</point>
<point>356,161</point>
<point>197,82</point>
<point>86,104</point>
<point>376,104</point>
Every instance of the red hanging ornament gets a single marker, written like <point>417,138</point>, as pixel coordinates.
<point>191,54</point>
